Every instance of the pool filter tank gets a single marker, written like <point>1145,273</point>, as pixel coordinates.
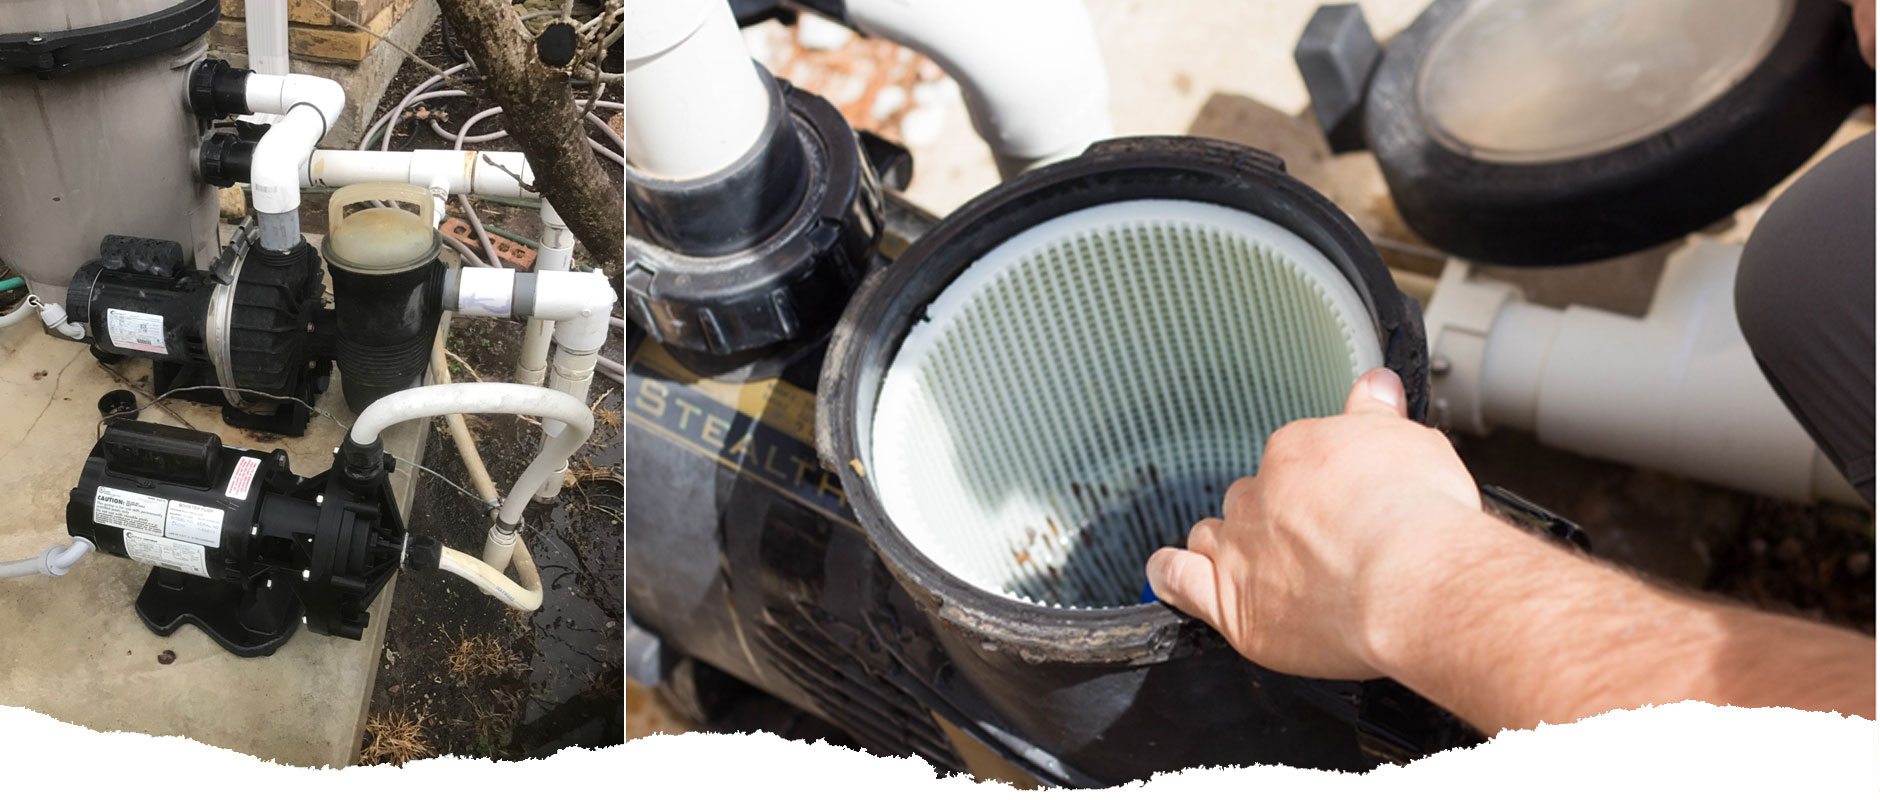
<point>930,527</point>
<point>95,138</point>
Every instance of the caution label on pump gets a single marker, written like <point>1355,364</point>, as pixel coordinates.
<point>129,510</point>
<point>244,474</point>
<point>135,330</point>
<point>167,553</point>
<point>194,524</point>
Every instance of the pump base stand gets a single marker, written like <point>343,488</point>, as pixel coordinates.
<point>247,621</point>
<point>287,418</point>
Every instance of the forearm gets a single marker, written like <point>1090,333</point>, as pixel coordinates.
<point>1508,631</point>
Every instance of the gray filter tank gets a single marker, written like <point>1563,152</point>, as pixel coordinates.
<point>96,136</point>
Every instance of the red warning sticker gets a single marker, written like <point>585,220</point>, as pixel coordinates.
<point>244,475</point>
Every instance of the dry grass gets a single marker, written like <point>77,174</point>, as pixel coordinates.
<point>481,656</point>
<point>395,738</point>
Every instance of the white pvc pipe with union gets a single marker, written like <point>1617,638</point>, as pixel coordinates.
<point>1031,72</point>
<point>485,173</point>
<point>309,107</point>
<point>1676,390</point>
<point>694,102</point>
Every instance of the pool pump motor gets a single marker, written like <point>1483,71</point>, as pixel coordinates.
<point>928,524</point>
<point>240,546</point>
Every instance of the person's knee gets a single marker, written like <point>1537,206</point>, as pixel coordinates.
<point>1807,270</point>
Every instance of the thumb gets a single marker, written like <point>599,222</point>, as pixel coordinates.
<point>1379,391</point>
<point>1185,580</point>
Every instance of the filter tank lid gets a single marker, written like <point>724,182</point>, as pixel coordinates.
<point>387,239</point>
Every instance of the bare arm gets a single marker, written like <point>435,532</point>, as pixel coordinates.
<point>1360,550</point>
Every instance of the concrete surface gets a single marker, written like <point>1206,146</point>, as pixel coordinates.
<point>72,647</point>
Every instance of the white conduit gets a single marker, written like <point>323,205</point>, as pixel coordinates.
<point>694,102</point>
<point>266,25</point>
<point>1676,390</point>
<point>1031,72</point>
<point>54,562</point>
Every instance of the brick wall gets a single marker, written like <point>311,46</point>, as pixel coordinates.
<point>313,31</point>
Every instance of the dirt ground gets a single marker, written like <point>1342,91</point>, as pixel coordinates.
<point>462,674</point>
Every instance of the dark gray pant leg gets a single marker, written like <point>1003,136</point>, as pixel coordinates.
<point>1805,300</point>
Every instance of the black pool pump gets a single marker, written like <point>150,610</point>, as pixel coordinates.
<point>240,546</point>
<point>252,321</point>
<point>927,524</point>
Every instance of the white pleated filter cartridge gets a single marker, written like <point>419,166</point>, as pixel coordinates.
<point>1086,391</point>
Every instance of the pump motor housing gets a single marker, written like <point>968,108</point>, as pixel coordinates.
<point>239,545</point>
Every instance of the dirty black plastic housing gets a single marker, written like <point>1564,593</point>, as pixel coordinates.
<point>387,318</point>
<point>763,253</point>
<point>241,547</point>
<point>758,550</point>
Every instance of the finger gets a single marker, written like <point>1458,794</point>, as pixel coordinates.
<point>1201,538</point>
<point>1379,391</point>
<point>1185,580</point>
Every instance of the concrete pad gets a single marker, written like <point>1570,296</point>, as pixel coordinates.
<point>72,647</point>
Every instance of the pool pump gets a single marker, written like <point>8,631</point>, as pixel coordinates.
<point>927,524</point>
<point>240,546</point>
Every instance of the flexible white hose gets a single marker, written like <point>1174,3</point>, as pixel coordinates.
<point>524,596</point>
<point>490,398</point>
<point>54,562</point>
<point>459,431</point>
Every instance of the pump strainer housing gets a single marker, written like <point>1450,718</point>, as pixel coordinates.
<point>1084,392</point>
<point>1066,374</point>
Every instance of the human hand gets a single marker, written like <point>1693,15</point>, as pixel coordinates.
<point>1299,576</point>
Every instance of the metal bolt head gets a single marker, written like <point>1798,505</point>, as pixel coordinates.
<point>1439,366</point>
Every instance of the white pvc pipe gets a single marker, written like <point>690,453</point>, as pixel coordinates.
<point>556,255</point>
<point>1031,72</point>
<point>266,25</point>
<point>560,296</point>
<point>526,596</point>
<point>309,106</point>
<point>1676,390</point>
<point>53,562</point>
<point>487,173</point>
<point>578,343</point>
<point>694,101</point>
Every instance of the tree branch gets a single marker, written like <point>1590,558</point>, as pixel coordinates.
<point>543,117</point>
